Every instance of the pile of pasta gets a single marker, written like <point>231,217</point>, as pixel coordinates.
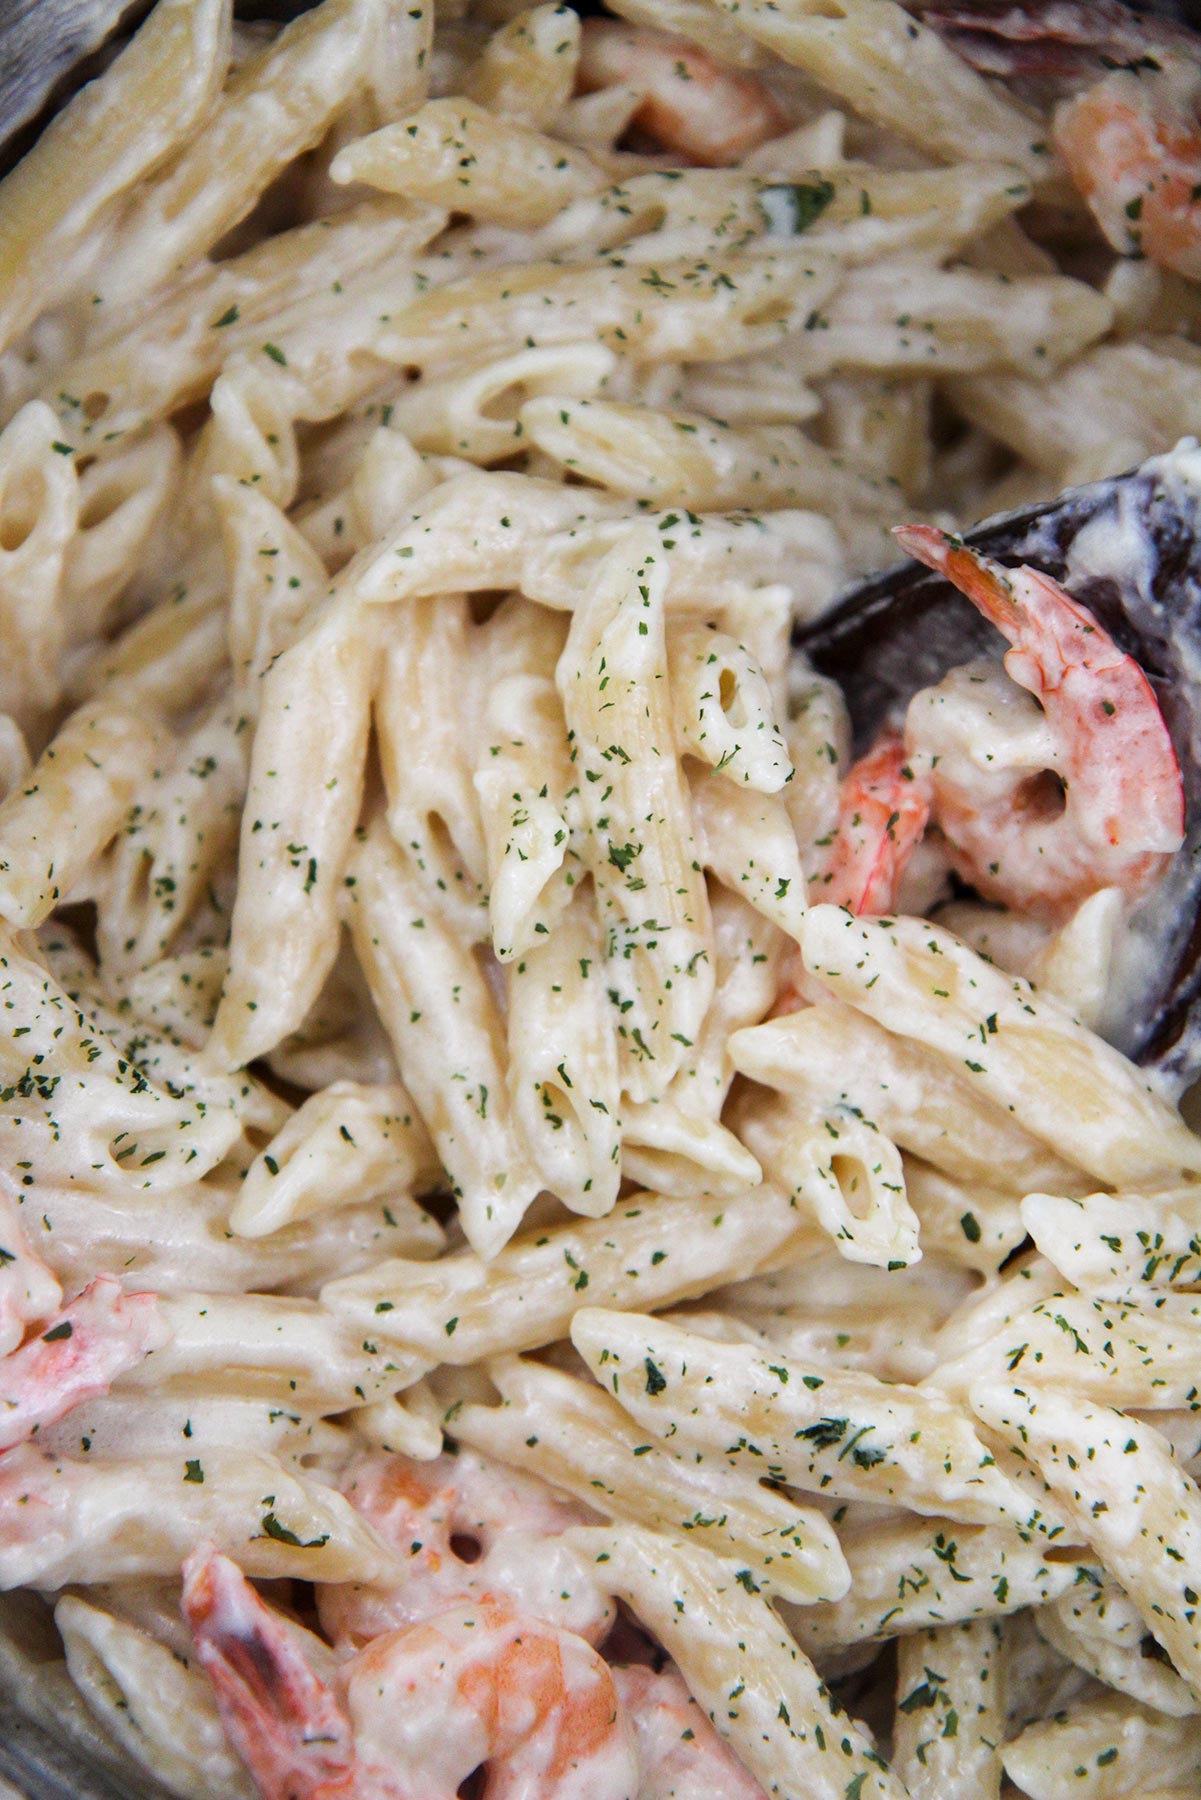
<point>413,466</point>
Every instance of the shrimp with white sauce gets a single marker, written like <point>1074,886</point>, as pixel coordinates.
<point>681,1755</point>
<point>416,1712</point>
<point>883,808</point>
<point>691,104</point>
<point>1050,774</point>
<point>75,1356</point>
<point>468,1529</point>
<point>1043,802</point>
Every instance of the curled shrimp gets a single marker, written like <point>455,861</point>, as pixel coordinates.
<point>691,104</point>
<point>75,1356</point>
<point>467,1529</point>
<point>680,1755</point>
<point>1041,808</point>
<point>883,807</point>
<point>416,1712</point>
<point>1132,145</point>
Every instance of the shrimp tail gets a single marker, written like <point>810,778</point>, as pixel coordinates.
<point>76,1356</point>
<point>883,808</point>
<point>285,1723</point>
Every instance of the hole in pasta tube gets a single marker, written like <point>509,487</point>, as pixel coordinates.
<point>475,1786</point>
<point>854,1184</point>
<point>775,311</point>
<point>466,1547</point>
<point>729,694</point>
<point>21,505</point>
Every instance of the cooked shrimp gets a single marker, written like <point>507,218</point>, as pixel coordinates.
<point>680,1755</point>
<point>416,1712</point>
<point>468,1529</point>
<point>283,1718</point>
<point>883,806</point>
<point>691,105</point>
<point>1132,145</point>
<point>76,1356</point>
<point>1041,808</point>
<point>28,1289</point>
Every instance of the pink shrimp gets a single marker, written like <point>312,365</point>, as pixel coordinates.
<point>691,105</point>
<point>681,1755</point>
<point>1132,145</point>
<point>1128,125</point>
<point>1053,805</point>
<point>883,806</point>
<point>416,1712</point>
<point>468,1529</point>
<point>75,1356</point>
<point>28,1288</point>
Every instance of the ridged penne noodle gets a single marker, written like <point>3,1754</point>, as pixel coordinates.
<point>683,1152</point>
<point>312,272</point>
<point>684,458</point>
<point>294,845</point>
<point>66,1086</point>
<point>446,1032</point>
<point>651,1250</point>
<point>480,411</point>
<point>745,839</point>
<point>67,1520</point>
<point>1136,396</point>
<point>1023,1052</point>
<point>423,716</point>
<point>527,69</point>
<point>522,778</point>
<point>573,1435</point>
<point>39,512</point>
<point>723,709</point>
<point>1117,1483</point>
<point>747,956</point>
<point>345,1145</point>
<point>654,909</point>
<point>160,1709</point>
<point>975,1224</point>
<point>824,1309</point>
<point>842,1171</point>
<point>122,498</point>
<point>177,840</point>
<point>1126,1350</point>
<point>173,1248</point>
<point>293,1352</point>
<point>777,1714</point>
<point>275,578</point>
<point>909,315</point>
<point>950,1722</point>
<point>454,153</point>
<point>898,73</point>
<point>911,1574</point>
<point>111,134</point>
<point>1096,1628</point>
<point>842,1434</point>
<point>1122,1747</point>
<point>691,311</point>
<point>70,806</point>
<point>835,1059</point>
<point>1115,1241</point>
<point>563,1061</point>
<point>173,654</point>
<point>277,105</point>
